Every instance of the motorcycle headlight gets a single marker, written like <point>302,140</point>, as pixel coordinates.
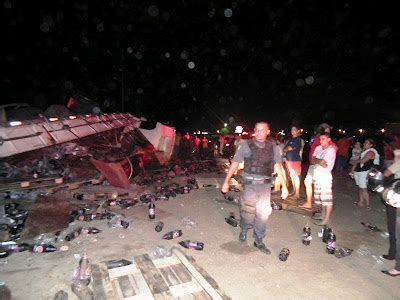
<point>375,180</point>
<point>391,195</point>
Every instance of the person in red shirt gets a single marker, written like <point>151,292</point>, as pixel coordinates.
<point>342,155</point>
<point>388,154</point>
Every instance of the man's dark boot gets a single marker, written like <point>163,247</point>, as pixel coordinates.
<point>261,246</point>
<point>243,236</point>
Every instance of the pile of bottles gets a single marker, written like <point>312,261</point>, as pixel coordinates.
<point>12,220</point>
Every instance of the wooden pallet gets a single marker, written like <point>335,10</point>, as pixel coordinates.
<point>174,277</point>
<point>293,206</point>
<point>30,183</point>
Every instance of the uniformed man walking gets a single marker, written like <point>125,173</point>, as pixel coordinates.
<point>258,156</point>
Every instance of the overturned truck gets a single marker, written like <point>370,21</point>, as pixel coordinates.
<point>67,148</point>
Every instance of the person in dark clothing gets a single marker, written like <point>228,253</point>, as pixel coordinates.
<point>258,157</point>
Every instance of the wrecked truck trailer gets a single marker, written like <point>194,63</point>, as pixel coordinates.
<point>67,147</point>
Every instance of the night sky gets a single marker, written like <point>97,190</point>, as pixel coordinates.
<point>196,64</point>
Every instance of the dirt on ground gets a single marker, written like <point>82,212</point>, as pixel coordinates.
<point>241,271</point>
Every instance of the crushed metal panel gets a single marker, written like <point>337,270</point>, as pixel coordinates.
<point>113,172</point>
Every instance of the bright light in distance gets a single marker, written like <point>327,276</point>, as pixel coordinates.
<point>227,145</point>
<point>360,130</point>
<point>53,119</point>
<point>204,132</point>
<point>217,131</point>
<point>225,124</point>
<point>238,129</point>
<point>15,123</point>
<point>245,133</point>
<point>383,130</point>
<point>72,117</point>
<point>343,131</point>
<point>253,134</point>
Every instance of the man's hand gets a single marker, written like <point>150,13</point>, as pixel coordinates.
<point>225,188</point>
<point>323,163</point>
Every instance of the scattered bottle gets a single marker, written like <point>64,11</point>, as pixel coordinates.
<point>78,196</point>
<point>3,253</point>
<point>172,234</point>
<point>284,254</point>
<point>307,235</point>
<point>152,210</point>
<point>13,247</point>
<point>83,272</point>
<point>73,235</point>
<point>331,243</point>
<point>370,226</point>
<point>325,234</point>
<point>232,221</point>
<point>276,206</point>
<point>90,230</point>
<point>192,245</point>
<point>42,248</point>
<point>81,290</point>
<point>116,263</point>
<point>159,226</point>
<point>5,292</point>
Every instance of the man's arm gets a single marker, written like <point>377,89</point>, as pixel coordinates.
<point>231,171</point>
<point>319,161</point>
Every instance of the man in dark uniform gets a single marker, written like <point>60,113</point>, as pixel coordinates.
<point>258,156</point>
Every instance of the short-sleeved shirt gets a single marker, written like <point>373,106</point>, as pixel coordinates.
<point>395,168</point>
<point>243,151</point>
<point>297,145</point>
<point>329,155</point>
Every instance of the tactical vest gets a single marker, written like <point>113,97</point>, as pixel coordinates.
<point>261,160</point>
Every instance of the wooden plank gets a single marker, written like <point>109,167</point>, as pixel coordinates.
<point>110,293</point>
<point>207,277</point>
<point>169,276</point>
<point>126,287</point>
<point>182,272</point>
<point>98,288</point>
<point>141,284</point>
<point>202,295</point>
<point>152,275</point>
<point>197,275</point>
<point>117,288</point>
<point>166,261</point>
<point>147,296</point>
<point>185,289</point>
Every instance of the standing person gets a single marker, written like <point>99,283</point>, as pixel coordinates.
<point>393,214</point>
<point>258,157</point>
<point>369,158</point>
<point>280,180</point>
<point>355,155</point>
<point>309,180</point>
<point>293,151</point>
<point>388,155</point>
<point>323,161</point>
<point>342,155</point>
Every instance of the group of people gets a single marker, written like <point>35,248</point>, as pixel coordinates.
<point>192,145</point>
<point>263,156</point>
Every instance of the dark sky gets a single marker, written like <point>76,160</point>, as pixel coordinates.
<point>197,64</point>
